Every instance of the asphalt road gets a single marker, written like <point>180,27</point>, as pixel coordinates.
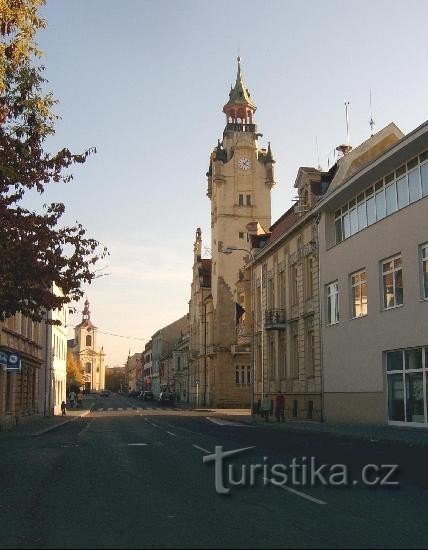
<point>131,475</point>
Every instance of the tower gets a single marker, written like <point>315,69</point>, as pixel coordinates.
<point>84,346</point>
<point>240,180</point>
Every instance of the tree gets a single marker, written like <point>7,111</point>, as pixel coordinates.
<point>115,378</point>
<point>75,371</point>
<point>35,250</point>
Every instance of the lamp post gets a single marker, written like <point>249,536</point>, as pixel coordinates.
<point>229,250</point>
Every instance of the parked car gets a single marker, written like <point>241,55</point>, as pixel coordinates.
<point>133,393</point>
<point>165,398</point>
<point>147,395</point>
<point>105,393</point>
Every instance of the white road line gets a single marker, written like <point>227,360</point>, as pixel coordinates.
<point>297,493</point>
<point>109,409</point>
<point>170,433</point>
<point>202,449</point>
<point>137,444</point>
<point>220,422</point>
<point>155,425</point>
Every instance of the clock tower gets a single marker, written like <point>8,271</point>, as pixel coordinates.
<point>240,180</point>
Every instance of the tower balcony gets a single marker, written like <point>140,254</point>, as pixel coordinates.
<point>275,319</point>
<point>239,127</point>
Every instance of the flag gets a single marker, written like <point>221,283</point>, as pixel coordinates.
<point>239,312</point>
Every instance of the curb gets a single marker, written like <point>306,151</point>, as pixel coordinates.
<point>46,430</point>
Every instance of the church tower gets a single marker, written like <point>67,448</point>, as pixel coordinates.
<point>84,346</point>
<point>240,180</point>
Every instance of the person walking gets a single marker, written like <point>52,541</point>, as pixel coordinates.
<point>280,407</point>
<point>72,398</point>
<point>266,405</point>
<point>63,409</point>
<point>80,400</point>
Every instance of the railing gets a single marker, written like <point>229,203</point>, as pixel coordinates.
<point>237,349</point>
<point>275,319</point>
<point>236,127</point>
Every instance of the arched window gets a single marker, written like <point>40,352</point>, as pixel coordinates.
<point>89,340</point>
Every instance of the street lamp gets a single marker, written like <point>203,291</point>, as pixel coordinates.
<point>229,250</point>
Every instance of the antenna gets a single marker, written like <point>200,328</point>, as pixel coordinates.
<point>347,121</point>
<point>371,121</point>
<point>318,153</point>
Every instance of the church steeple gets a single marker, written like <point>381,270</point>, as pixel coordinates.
<point>240,109</point>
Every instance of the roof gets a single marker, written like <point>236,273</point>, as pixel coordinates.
<point>283,223</point>
<point>239,94</point>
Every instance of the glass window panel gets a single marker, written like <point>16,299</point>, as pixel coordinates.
<point>400,171</point>
<point>403,192</point>
<point>346,226</point>
<point>354,221</point>
<point>413,358</point>
<point>425,277</point>
<point>369,192</point>
<point>371,211</point>
<point>397,262</point>
<point>339,230</point>
<point>356,309</point>
<point>388,290</point>
<point>396,397</point>
<point>337,214</point>
<point>424,179</point>
<point>364,299</point>
<point>379,185</point>
<point>415,190</point>
<point>389,178</point>
<point>394,360</point>
<point>415,397</point>
<point>380,205</point>
<point>391,199</point>
<point>360,198</point>
<point>423,156</point>
<point>412,163</point>
<point>388,266</point>
<point>398,275</point>
<point>352,203</point>
<point>362,216</point>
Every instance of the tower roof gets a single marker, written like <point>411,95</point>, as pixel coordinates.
<point>239,95</point>
<point>86,317</point>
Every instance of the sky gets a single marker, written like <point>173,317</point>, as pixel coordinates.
<point>145,83</point>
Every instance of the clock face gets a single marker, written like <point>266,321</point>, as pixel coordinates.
<point>244,163</point>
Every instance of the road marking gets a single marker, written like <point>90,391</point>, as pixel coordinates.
<point>109,409</point>
<point>170,433</point>
<point>120,409</point>
<point>225,422</point>
<point>68,446</point>
<point>202,449</point>
<point>137,444</point>
<point>297,493</point>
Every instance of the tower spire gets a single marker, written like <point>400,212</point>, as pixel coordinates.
<point>239,109</point>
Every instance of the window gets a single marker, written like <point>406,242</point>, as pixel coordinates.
<point>241,235</point>
<point>248,197</point>
<point>424,266</point>
<point>89,340</point>
<point>294,286</point>
<point>407,372</point>
<point>272,359</point>
<point>392,279</point>
<point>333,303</point>
<point>281,283</point>
<point>405,185</point>
<point>88,368</point>
<point>310,347</point>
<point>241,200</point>
<point>294,350</point>
<point>242,375</point>
<point>282,356</point>
<point>359,294</point>
<point>309,277</point>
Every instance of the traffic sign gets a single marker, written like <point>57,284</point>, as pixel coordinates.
<point>197,381</point>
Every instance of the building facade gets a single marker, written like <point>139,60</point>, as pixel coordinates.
<point>163,342</point>
<point>53,375</point>
<point>84,346</point>
<point>374,279</point>
<point>147,366</point>
<point>21,360</point>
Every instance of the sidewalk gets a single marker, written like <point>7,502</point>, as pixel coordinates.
<point>390,435</point>
<point>37,425</point>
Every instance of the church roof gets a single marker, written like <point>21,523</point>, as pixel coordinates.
<point>239,94</point>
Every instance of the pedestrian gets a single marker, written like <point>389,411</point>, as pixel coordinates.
<point>280,407</point>
<point>72,398</point>
<point>63,408</point>
<point>80,400</point>
<point>266,405</point>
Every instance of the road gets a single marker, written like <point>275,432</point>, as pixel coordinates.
<point>131,475</point>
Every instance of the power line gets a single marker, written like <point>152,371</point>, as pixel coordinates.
<point>121,336</point>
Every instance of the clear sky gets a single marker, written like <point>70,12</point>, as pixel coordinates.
<point>145,82</point>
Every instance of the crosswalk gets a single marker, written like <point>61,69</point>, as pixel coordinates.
<point>98,408</point>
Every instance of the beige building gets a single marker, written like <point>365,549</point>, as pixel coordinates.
<point>134,373</point>
<point>373,235</point>
<point>240,179</point>
<point>21,359</point>
<point>85,347</point>
<point>279,296</point>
